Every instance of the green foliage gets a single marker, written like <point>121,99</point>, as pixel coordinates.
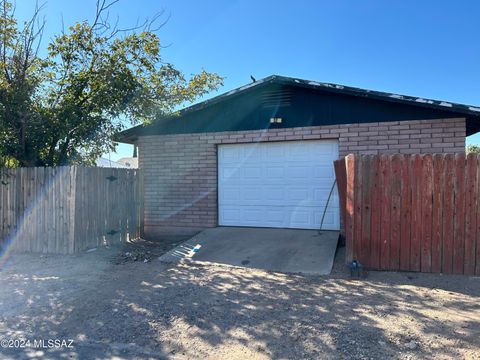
<point>473,149</point>
<point>95,81</point>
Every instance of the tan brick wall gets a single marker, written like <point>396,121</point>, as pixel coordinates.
<point>181,170</point>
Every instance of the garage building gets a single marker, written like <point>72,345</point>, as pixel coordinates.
<point>262,155</point>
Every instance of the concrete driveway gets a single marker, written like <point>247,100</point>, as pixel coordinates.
<point>282,250</point>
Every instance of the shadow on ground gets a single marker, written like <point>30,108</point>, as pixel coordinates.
<point>152,310</point>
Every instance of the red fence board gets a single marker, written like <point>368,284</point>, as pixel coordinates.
<point>470,214</point>
<point>477,232</point>
<point>448,215</point>
<point>459,219</point>
<point>406,212</point>
<point>395,216</point>
<point>437,212</point>
<point>426,239</point>
<point>357,221</point>
<point>416,228</point>
<point>412,212</point>
<point>366,205</point>
<point>375,214</point>
<point>385,167</point>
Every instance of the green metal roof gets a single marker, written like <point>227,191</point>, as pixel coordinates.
<point>300,103</point>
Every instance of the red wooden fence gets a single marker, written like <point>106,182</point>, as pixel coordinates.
<point>412,212</point>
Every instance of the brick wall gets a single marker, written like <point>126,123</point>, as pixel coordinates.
<point>181,170</point>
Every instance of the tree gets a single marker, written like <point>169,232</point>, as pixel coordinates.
<point>473,149</point>
<point>95,80</point>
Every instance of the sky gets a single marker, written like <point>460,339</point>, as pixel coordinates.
<point>428,48</point>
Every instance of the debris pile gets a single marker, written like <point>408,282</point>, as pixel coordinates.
<point>137,254</point>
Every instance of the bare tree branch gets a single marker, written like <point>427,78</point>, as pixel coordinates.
<point>102,25</point>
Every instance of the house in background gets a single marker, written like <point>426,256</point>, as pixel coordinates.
<point>262,155</point>
<point>104,162</point>
<point>125,162</point>
<point>129,162</point>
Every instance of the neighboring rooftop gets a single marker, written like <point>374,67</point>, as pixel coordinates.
<point>125,162</point>
<point>279,96</point>
<point>130,162</point>
<point>104,162</point>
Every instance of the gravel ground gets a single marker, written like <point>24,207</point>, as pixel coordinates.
<point>150,310</point>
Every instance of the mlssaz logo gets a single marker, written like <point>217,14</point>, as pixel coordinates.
<point>52,343</point>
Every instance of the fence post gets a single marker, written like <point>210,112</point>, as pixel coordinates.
<point>350,206</point>
<point>140,198</point>
<point>341,176</point>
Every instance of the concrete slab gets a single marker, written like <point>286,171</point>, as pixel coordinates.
<point>282,250</point>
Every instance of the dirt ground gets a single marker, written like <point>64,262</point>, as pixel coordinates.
<point>114,307</point>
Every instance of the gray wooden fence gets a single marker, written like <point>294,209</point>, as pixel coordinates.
<point>69,209</point>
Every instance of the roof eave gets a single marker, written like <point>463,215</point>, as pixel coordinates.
<point>464,110</point>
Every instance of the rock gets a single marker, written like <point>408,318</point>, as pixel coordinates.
<point>412,345</point>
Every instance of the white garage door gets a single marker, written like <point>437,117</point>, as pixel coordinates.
<point>280,184</point>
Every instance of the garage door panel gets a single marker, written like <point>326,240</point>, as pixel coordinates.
<point>254,154</point>
<point>230,153</point>
<point>279,196</point>
<point>275,193</point>
<point>275,172</point>
<point>330,220</point>
<point>229,173</point>
<point>275,152</point>
<point>321,195</point>
<point>252,172</point>
<point>301,218</point>
<point>299,194</point>
<point>252,214</point>
<point>271,216</point>
<point>284,184</point>
<point>323,171</point>
<point>298,172</point>
<point>248,194</point>
<point>298,153</point>
<point>229,194</point>
<point>275,217</point>
<point>229,214</point>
